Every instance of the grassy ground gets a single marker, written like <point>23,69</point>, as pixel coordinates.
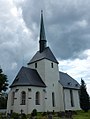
<point>82,115</point>
<point>79,115</point>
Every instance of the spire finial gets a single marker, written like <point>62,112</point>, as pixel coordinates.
<point>42,40</point>
<point>41,11</point>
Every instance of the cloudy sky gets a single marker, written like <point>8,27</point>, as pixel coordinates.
<point>67,27</point>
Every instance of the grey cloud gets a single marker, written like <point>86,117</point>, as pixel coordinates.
<point>65,37</point>
<point>16,44</point>
<point>67,40</point>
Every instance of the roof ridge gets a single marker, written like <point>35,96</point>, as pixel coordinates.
<point>26,74</point>
<point>46,54</point>
<point>28,77</point>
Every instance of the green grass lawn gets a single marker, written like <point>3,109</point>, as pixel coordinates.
<point>82,115</point>
<point>79,115</point>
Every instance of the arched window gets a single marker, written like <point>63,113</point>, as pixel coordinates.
<point>37,97</point>
<point>23,98</point>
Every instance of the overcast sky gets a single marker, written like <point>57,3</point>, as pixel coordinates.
<point>67,27</point>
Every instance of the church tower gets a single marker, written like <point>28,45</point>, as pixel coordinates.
<point>43,55</point>
<point>46,65</point>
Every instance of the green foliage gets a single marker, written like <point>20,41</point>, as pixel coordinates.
<point>15,115</point>
<point>34,112</point>
<point>44,114</point>
<point>76,115</point>
<point>3,81</point>
<point>84,97</point>
<point>23,116</point>
<point>3,103</point>
<point>82,115</point>
<point>2,116</point>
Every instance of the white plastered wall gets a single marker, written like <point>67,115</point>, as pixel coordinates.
<point>50,76</point>
<point>68,100</point>
<point>30,100</point>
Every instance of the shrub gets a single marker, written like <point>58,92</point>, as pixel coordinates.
<point>44,114</point>
<point>23,116</point>
<point>15,115</point>
<point>34,112</point>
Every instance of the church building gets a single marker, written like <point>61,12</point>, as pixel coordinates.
<point>41,85</point>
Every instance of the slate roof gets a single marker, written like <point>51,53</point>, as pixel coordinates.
<point>67,81</point>
<point>46,54</point>
<point>28,77</point>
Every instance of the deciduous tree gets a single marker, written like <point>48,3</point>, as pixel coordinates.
<point>3,81</point>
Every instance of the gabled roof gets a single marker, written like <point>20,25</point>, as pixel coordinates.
<point>46,54</point>
<point>28,77</point>
<point>67,81</point>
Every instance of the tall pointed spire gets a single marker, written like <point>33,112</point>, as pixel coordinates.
<point>42,30</point>
<point>42,41</point>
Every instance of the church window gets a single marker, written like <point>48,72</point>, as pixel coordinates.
<point>29,89</point>
<point>37,97</point>
<point>53,99</point>
<point>52,65</point>
<point>35,65</point>
<point>16,90</point>
<point>23,98</point>
<point>71,97</point>
<point>53,84</point>
<point>13,96</point>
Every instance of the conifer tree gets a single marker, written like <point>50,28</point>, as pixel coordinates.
<point>3,81</point>
<point>84,97</point>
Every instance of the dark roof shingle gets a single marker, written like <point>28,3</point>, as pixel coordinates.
<point>28,77</point>
<point>67,81</point>
<point>46,54</point>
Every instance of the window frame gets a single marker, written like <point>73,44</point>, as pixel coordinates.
<point>53,99</point>
<point>37,98</point>
<point>71,98</point>
<point>23,98</point>
<point>35,64</point>
<point>52,65</point>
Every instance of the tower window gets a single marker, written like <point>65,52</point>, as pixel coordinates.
<point>52,64</point>
<point>35,65</point>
